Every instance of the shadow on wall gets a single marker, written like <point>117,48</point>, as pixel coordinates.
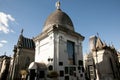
<point>108,69</point>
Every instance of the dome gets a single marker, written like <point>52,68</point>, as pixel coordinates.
<point>60,18</point>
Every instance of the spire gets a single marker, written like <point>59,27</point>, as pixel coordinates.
<point>5,53</point>
<point>97,34</point>
<point>57,4</point>
<point>104,43</point>
<point>112,46</point>
<point>22,32</point>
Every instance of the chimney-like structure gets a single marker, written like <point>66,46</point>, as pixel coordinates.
<point>92,43</point>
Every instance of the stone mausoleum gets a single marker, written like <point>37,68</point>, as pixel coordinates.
<point>102,62</point>
<point>58,52</point>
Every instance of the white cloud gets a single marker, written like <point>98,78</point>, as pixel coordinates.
<point>3,41</point>
<point>1,45</point>
<point>11,31</point>
<point>10,17</point>
<point>4,29</point>
<point>4,19</point>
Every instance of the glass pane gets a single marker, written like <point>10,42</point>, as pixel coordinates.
<point>70,51</point>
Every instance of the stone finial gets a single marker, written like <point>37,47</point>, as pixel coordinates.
<point>57,4</point>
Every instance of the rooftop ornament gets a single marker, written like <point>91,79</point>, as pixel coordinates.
<point>57,4</point>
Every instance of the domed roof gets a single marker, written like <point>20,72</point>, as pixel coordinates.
<point>60,18</point>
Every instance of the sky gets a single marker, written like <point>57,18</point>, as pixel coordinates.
<point>88,16</point>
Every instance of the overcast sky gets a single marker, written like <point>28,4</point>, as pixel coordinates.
<point>88,16</point>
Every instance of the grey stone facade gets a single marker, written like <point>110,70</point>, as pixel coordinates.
<point>4,67</point>
<point>102,61</point>
<point>24,53</point>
